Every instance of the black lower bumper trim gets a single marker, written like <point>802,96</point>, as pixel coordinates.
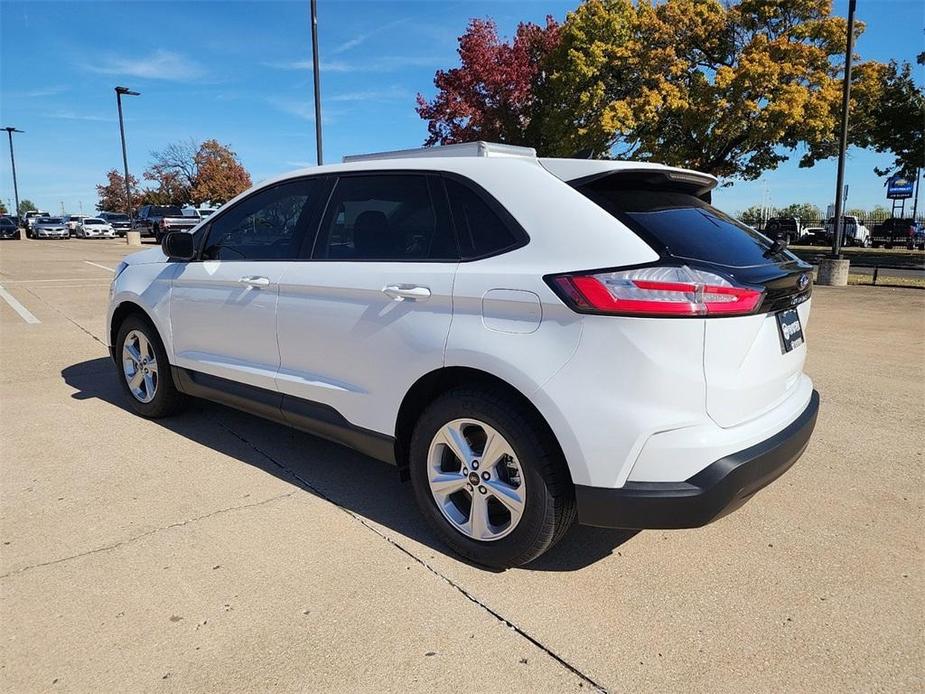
<point>713,492</point>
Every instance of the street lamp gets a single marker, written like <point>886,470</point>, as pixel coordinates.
<point>9,132</point>
<point>317,80</point>
<point>838,227</point>
<point>120,91</point>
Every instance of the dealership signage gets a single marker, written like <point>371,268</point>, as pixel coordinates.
<point>899,187</point>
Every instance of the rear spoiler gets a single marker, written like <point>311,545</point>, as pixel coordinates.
<point>579,172</point>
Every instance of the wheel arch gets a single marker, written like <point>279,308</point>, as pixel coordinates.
<point>119,314</point>
<point>432,385</point>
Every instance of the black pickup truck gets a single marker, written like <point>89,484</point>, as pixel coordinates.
<point>897,232</point>
<point>157,220</point>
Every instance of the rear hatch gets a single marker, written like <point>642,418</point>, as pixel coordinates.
<point>749,366</point>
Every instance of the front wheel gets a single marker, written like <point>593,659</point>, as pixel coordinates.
<point>144,371</point>
<point>489,478</point>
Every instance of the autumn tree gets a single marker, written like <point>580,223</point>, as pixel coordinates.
<point>186,172</point>
<point>3,209</point>
<point>112,194</point>
<point>730,88</point>
<point>492,95</point>
<point>220,176</point>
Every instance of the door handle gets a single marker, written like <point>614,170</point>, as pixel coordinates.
<point>407,292</point>
<point>255,281</point>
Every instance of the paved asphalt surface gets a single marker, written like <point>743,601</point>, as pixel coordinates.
<point>216,551</point>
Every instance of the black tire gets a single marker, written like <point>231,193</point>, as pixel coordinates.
<point>167,399</point>
<point>550,500</point>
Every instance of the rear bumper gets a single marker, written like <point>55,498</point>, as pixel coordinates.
<point>713,492</point>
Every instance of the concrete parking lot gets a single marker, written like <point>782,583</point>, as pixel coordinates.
<point>216,551</point>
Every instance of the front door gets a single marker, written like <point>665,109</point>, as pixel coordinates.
<point>223,306</point>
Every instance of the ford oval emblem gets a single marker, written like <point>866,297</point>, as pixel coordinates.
<point>803,282</point>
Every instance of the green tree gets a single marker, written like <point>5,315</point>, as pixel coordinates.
<point>803,210</point>
<point>753,216</point>
<point>26,206</point>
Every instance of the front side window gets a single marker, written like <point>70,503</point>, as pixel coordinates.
<point>269,225</point>
<point>384,217</point>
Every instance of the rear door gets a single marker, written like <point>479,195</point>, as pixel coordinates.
<point>751,363</point>
<point>368,312</point>
<point>223,305</point>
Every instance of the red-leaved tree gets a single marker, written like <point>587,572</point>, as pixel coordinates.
<point>492,95</point>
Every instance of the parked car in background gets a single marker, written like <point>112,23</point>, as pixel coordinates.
<point>50,228</point>
<point>854,233</point>
<point>29,220</point>
<point>158,220</point>
<point>643,370</point>
<point>786,229</point>
<point>8,228</point>
<point>896,232</point>
<point>205,212</point>
<point>120,221</point>
<point>95,228</point>
<point>815,236</point>
<point>73,221</point>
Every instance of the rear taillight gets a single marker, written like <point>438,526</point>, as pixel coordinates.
<point>655,291</point>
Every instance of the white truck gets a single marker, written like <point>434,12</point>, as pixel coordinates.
<point>854,233</point>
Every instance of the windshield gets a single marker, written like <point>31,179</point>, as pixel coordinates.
<point>117,217</point>
<point>166,211</point>
<point>681,224</point>
<point>94,221</point>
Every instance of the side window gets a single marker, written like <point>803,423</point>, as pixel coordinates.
<point>384,217</point>
<point>481,229</point>
<point>268,225</point>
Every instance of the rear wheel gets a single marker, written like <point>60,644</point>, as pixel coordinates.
<point>144,370</point>
<point>488,478</point>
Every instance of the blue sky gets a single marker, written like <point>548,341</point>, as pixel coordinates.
<point>240,72</point>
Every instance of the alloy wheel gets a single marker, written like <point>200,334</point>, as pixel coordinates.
<point>139,365</point>
<point>476,479</point>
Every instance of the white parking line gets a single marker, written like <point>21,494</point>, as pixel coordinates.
<point>99,266</point>
<point>23,312</point>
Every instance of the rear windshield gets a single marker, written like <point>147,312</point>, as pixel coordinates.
<point>682,225</point>
<point>166,211</point>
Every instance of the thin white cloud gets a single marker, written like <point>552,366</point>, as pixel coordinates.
<point>71,115</point>
<point>47,91</point>
<point>360,39</point>
<point>391,94</point>
<point>379,64</point>
<point>160,65</point>
<point>294,107</point>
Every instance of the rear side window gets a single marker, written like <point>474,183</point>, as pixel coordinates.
<point>480,229</point>
<point>384,217</point>
<point>268,225</point>
<point>682,225</point>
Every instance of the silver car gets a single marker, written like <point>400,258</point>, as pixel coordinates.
<point>50,228</point>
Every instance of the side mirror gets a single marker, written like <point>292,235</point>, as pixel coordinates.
<point>179,245</point>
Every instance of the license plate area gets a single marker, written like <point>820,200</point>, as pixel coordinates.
<point>789,329</point>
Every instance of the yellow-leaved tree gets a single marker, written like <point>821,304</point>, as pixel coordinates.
<point>723,88</point>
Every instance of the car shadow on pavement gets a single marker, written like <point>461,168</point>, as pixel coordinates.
<point>360,485</point>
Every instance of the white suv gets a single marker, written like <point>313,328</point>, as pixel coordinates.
<point>529,340</point>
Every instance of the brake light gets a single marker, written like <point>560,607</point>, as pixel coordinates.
<point>656,291</point>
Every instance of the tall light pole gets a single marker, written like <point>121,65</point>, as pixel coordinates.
<point>9,132</point>
<point>120,91</point>
<point>843,142</point>
<point>317,81</point>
